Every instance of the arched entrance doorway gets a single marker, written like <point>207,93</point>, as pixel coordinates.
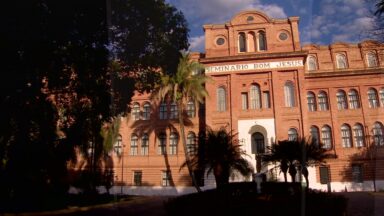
<point>258,142</point>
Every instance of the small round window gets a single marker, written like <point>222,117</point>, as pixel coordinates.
<point>250,19</point>
<point>220,41</point>
<point>283,36</point>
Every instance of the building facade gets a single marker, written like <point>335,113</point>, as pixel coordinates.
<point>267,87</point>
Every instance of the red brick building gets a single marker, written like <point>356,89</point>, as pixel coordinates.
<point>267,87</point>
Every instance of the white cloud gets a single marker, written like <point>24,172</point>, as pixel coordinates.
<point>197,43</point>
<point>272,10</point>
<point>341,37</point>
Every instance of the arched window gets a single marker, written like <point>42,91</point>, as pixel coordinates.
<point>173,140</point>
<point>312,63</point>
<point>382,97</point>
<point>251,42</point>
<point>146,111</point>
<point>136,111</point>
<point>311,101</point>
<point>191,109</point>
<point>261,41</point>
<point>346,138</point>
<point>373,100</point>
<point>162,143</point>
<point>289,94</point>
<point>341,61</point>
<point>242,42</point>
<point>163,111</point>
<point>174,111</point>
<point>133,145</point>
<point>221,99</point>
<point>353,98</point>
<point>341,100</point>
<point>255,96</point>
<point>144,144</point>
<point>315,135</point>
<point>378,132</point>
<point>292,134</point>
<point>358,135</point>
<point>371,59</point>
<point>326,137</point>
<point>191,143</point>
<point>118,145</point>
<point>323,101</point>
<point>259,142</point>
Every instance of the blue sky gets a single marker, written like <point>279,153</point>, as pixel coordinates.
<point>321,21</point>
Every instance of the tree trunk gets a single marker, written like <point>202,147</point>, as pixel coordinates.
<point>284,169</point>
<point>187,158</point>
<point>221,175</point>
<point>305,174</point>
<point>292,172</point>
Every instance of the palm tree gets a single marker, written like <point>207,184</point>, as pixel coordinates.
<point>185,85</point>
<point>222,154</point>
<point>311,155</point>
<point>285,154</point>
<point>300,153</point>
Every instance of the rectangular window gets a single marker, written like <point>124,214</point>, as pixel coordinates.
<point>161,148</point>
<point>137,178</point>
<point>267,100</point>
<point>166,178</point>
<point>144,145</point>
<point>244,101</point>
<point>324,175</point>
<point>357,173</point>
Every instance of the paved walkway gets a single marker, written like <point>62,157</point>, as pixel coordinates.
<point>359,204</point>
<point>365,204</point>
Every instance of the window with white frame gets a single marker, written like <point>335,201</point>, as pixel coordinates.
<point>191,111</point>
<point>373,99</point>
<point>244,100</point>
<point>162,144</point>
<point>358,135</point>
<point>173,140</point>
<point>118,145</point>
<point>326,137</point>
<point>133,144</point>
<point>314,131</point>
<point>346,138</point>
<point>163,111</point>
<point>136,111</point>
<point>191,143</point>
<point>255,97</point>
<point>146,111</point>
<point>382,97</point>
<point>292,134</point>
<point>341,100</point>
<point>242,42</point>
<point>323,101</point>
<point>311,101</point>
<point>261,41</point>
<point>144,144</point>
<point>166,178</point>
<point>378,132</point>
<point>174,111</point>
<point>221,99</point>
<point>341,61</point>
<point>289,94</point>
<point>266,100</point>
<point>312,63</point>
<point>353,98</point>
<point>371,59</point>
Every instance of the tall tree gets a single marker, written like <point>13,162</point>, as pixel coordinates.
<point>221,154</point>
<point>60,87</point>
<point>184,86</point>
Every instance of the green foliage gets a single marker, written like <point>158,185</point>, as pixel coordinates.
<point>296,155</point>
<point>221,154</point>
